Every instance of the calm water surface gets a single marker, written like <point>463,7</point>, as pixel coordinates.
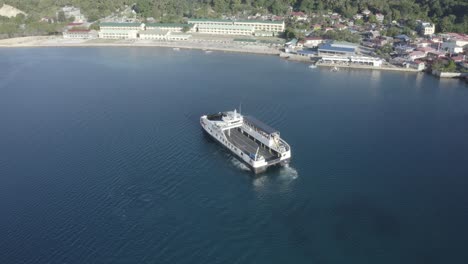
<point>102,160</point>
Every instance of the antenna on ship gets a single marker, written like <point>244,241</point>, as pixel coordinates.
<point>240,108</point>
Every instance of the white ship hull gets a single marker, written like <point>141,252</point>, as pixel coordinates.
<point>249,143</point>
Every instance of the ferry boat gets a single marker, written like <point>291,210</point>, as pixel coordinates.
<point>251,141</point>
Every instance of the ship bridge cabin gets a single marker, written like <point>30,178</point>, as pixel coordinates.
<point>267,135</point>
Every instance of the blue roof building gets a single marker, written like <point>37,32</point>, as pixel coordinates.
<point>337,48</point>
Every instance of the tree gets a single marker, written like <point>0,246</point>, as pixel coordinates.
<point>61,16</point>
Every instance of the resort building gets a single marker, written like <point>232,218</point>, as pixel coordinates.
<point>120,30</point>
<point>337,48</point>
<point>79,34</point>
<point>228,26</point>
<point>226,30</point>
<point>172,27</point>
<point>158,34</point>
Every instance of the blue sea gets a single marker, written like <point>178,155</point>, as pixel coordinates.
<point>102,160</point>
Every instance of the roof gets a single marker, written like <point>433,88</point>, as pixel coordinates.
<point>78,31</point>
<point>209,20</point>
<point>233,21</point>
<point>153,32</point>
<point>306,51</point>
<point>239,27</point>
<point>314,38</point>
<point>405,37</point>
<point>172,25</point>
<point>280,22</point>
<point>297,13</point>
<point>329,47</point>
<point>116,24</point>
<point>260,125</point>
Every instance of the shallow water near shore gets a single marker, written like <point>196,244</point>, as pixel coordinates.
<point>102,160</point>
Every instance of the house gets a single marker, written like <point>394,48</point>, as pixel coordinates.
<point>71,11</point>
<point>298,16</point>
<point>313,42</point>
<point>403,49</point>
<point>416,55</point>
<point>402,38</point>
<point>316,27</point>
<point>417,64</point>
<point>455,45</point>
<point>426,28</point>
<point>340,26</point>
<point>379,17</point>
<point>426,50</point>
<point>459,58</point>
<point>433,55</point>
<point>366,12</point>
<point>357,17</point>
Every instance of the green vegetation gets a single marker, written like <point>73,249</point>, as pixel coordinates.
<point>448,15</point>
<point>445,67</point>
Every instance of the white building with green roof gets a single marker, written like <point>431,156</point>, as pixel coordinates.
<point>172,27</point>
<point>225,30</point>
<point>113,30</point>
<point>228,26</point>
<point>159,34</point>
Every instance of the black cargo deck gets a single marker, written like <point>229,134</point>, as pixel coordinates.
<point>248,145</point>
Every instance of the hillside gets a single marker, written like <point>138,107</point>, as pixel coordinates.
<point>9,11</point>
<point>448,15</point>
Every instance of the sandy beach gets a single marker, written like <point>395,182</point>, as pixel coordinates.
<point>215,44</point>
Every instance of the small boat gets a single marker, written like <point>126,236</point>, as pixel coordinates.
<point>208,51</point>
<point>312,66</point>
<point>176,49</point>
<point>335,69</point>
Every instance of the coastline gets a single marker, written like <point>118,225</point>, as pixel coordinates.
<point>38,42</point>
<point>207,44</point>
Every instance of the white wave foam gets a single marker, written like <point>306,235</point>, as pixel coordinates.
<point>288,172</point>
<point>239,164</point>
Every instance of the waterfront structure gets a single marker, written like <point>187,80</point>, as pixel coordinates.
<point>112,30</point>
<point>375,62</point>
<point>226,26</point>
<point>79,34</point>
<point>339,48</point>
<point>251,141</point>
<point>417,65</point>
<point>158,34</point>
<point>172,27</point>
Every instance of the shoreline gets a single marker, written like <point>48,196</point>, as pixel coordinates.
<point>215,44</point>
<point>45,42</point>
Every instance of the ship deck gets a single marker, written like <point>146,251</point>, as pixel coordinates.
<point>248,145</point>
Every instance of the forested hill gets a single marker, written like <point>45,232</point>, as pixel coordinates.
<point>448,15</point>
